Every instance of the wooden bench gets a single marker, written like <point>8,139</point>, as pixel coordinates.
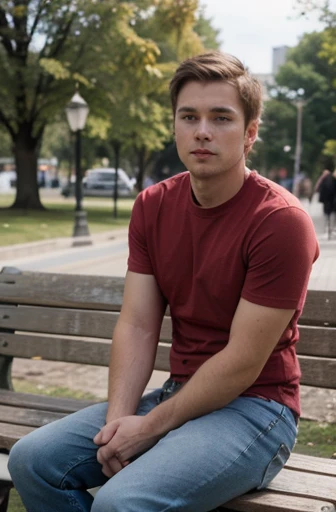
<point>70,318</point>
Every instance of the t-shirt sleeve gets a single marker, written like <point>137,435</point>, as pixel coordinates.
<point>138,259</point>
<point>281,252</point>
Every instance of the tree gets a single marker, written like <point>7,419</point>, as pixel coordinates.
<point>45,47</point>
<point>305,68</point>
<point>130,111</point>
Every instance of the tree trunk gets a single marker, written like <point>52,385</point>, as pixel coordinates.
<point>26,150</point>
<point>142,161</point>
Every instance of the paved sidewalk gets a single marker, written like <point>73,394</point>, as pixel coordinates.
<point>323,276</point>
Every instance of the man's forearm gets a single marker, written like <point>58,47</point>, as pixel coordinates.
<point>216,383</point>
<point>131,364</point>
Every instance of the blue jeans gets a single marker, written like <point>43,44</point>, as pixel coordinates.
<point>194,468</point>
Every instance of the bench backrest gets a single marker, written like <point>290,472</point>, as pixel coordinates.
<point>57,316</point>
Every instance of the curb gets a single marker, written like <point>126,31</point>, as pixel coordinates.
<point>51,244</point>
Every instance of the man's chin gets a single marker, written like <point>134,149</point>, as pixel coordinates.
<point>203,172</point>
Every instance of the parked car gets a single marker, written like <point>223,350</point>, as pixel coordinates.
<point>100,182</point>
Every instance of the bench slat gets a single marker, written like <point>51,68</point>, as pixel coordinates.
<point>311,464</point>
<point>42,402</point>
<point>272,502</point>
<point>100,324</point>
<point>77,291</point>
<point>96,292</point>
<point>27,416</point>
<point>10,434</point>
<point>297,483</point>
<point>317,341</point>
<point>67,350</point>
<point>71,322</point>
<point>319,309</point>
<point>318,371</point>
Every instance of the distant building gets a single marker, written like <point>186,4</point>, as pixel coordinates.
<point>279,58</point>
<point>267,81</point>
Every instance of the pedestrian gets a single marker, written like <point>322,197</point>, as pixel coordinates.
<point>231,253</point>
<point>326,188</point>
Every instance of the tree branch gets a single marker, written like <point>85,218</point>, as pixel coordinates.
<point>37,19</point>
<point>5,40</point>
<point>4,120</point>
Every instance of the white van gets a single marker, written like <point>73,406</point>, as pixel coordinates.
<point>101,181</point>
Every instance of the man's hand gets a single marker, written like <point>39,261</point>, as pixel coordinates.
<point>120,440</point>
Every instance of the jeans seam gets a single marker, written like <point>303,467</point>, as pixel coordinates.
<point>73,501</point>
<point>74,465</point>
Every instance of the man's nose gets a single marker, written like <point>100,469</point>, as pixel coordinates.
<point>203,131</point>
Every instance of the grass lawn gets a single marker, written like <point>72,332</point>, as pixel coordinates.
<point>314,438</point>
<point>17,227</point>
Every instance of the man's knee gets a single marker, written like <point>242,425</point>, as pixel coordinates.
<point>22,457</point>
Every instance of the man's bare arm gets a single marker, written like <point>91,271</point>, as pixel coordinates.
<point>255,331</point>
<point>134,344</point>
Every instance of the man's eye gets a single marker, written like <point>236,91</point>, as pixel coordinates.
<point>222,118</point>
<point>189,117</point>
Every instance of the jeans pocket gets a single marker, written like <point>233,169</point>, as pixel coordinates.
<point>275,466</point>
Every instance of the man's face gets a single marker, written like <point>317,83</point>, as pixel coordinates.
<point>210,128</point>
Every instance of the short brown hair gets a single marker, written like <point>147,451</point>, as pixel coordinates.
<point>214,66</point>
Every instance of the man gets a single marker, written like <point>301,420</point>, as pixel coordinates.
<point>231,253</point>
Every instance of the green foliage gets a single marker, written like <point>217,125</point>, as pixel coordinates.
<point>122,53</point>
<point>306,68</point>
<point>5,143</point>
<point>330,149</point>
<point>318,439</point>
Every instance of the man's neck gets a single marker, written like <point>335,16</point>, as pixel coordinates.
<point>209,193</point>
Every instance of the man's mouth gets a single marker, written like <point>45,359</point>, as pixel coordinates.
<point>202,152</point>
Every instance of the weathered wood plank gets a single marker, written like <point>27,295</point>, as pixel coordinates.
<point>71,322</point>
<point>82,351</point>
<point>266,501</point>
<point>319,308</point>
<point>42,402</point>
<point>94,291</point>
<point>318,371</point>
<point>296,483</point>
<point>68,350</point>
<point>27,416</point>
<point>311,464</point>
<point>317,341</point>
<point>10,434</point>
<point>77,291</point>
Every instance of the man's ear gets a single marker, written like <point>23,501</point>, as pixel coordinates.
<point>251,134</point>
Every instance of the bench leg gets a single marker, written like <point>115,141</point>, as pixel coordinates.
<point>5,488</point>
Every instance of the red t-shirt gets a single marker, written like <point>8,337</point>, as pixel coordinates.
<point>259,245</point>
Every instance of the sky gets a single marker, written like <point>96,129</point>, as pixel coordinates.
<point>249,29</point>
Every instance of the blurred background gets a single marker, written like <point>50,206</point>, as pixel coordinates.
<point>117,57</point>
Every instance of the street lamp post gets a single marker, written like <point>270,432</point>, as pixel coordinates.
<point>297,97</point>
<point>77,111</point>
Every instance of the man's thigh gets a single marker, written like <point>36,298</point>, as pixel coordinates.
<point>64,451</point>
<point>206,462</point>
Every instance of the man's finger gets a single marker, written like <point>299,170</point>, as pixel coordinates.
<point>106,433</point>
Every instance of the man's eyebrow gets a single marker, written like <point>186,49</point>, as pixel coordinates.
<point>223,110</point>
<point>220,110</point>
